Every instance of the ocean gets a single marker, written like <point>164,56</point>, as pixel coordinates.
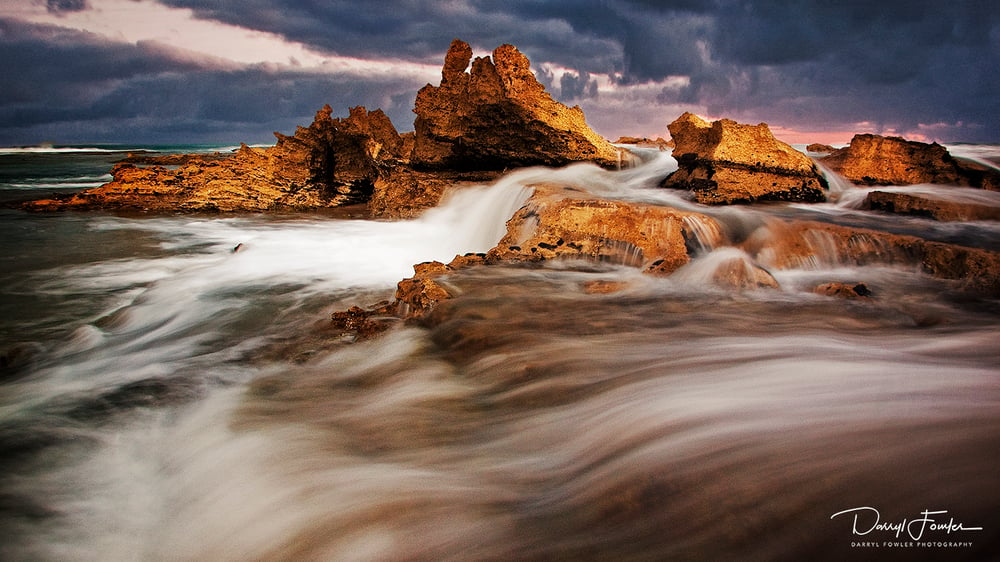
<point>163,397</point>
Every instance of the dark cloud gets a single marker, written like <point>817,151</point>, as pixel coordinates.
<point>577,86</point>
<point>56,6</point>
<point>798,63</point>
<point>72,86</point>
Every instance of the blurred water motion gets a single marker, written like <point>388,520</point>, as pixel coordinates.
<point>165,398</point>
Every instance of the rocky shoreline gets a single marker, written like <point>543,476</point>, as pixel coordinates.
<point>490,115</point>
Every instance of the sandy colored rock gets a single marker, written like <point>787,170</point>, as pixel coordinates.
<point>498,116</point>
<point>725,162</point>
<point>332,162</point>
<point>877,160</point>
<point>401,192</point>
<point>738,273</point>
<point>844,290</point>
<point>922,206</point>
<point>563,223</point>
<point>804,244</point>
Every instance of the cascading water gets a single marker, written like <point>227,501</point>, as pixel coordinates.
<point>151,410</point>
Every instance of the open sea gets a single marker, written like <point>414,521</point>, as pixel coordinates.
<point>165,398</point>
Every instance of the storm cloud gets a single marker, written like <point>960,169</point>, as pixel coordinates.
<point>917,68</point>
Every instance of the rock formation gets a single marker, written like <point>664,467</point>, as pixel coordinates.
<point>877,160</point>
<point>924,206</point>
<point>332,162</point>
<point>558,222</point>
<point>819,148</point>
<point>498,116</point>
<point>401,192</point>
<point>803,243</point>
<point>469,129</point>
<point>726,162</point>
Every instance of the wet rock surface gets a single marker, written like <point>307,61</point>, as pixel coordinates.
<point>798,244</point>
<point>725,162</point>
<point>923,206</point>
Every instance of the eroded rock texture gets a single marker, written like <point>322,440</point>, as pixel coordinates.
<point>877,160</point>
<point>332,162</point>
<point>725,162</point>
<point>498,116</point>
<point>562,223</point>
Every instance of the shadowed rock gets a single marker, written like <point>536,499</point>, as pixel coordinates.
<point>725,162</point>
<point>930,207</point>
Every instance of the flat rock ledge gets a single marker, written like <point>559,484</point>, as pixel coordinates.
<point>929,207</point>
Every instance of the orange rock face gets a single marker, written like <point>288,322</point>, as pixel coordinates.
<point>877,160</point>
<point>560,223</point>
<point>498,116</point>
<point>725,162</point>
<point>333,162</point>
<point>803,243</point>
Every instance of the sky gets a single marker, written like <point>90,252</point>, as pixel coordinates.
<point>230,71</point>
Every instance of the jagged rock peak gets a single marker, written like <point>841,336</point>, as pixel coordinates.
<point>498,116</point>
<point>456,61</point>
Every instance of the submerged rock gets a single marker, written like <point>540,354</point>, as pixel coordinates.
<point>498,116</point>
<point>725,162</point>
<point>332,162</point>
<point>737,274</point>
<point>844,290</point>
<point>877,160</point>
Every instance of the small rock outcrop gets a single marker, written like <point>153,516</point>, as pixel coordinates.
<point>798,244</point>
<point>646,142</point>
<point>557,222</point>
<point>877,160</point>
<point>725,162</point>
<point>332,162</point>
<point>820,148</point>
<point>498,116</point>
<point>923,206</point>
<point>844,290</point>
